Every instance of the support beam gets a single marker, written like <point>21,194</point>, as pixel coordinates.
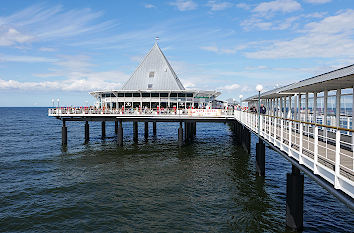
<point>154,128</point>
<point>116,127</point>
<point>146,131</point>
<point>295,199</point>
<point>180,134</point>
<point>135,131</point>
<point>338,95</point>
<point>120,133</point>
<point>103,123</point>
<point>64,134</point>
<point>260,158</point>
<point>87,132</point>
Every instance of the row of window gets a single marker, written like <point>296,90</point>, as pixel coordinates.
<point>149,94</point>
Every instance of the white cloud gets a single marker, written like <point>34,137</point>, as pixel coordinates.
<point>317,1</point>
<point>46,49</point>
<point>284,6</point>
<point>231,50</point>
<point>38,23</point>
<point>230,87</point>
<point>26,59</point>
<point>218,6</point>
<point>149,6</point>
<point>184,5</point>
<point>243,6</point>
<point>10,36</point>
<point>331,37</point>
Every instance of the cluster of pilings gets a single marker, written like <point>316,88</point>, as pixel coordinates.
<point>294,180</point>
<point>185,135</point>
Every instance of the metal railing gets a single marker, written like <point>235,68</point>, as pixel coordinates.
<point>326,150</point>
<point>81,111</point>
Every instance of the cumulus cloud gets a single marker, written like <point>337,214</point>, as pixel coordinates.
<point>284,6</point>
<point>230,87</point>
<point>231,50</point>
<point>218,6</point>
<point>149,6</point>
<point>10,36</point>
<point>330,37</point>
<point>243,6</point>
<point>184,5</point>
<point>318,1</point>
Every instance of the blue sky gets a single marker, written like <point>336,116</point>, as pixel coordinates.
<point>64,49</point>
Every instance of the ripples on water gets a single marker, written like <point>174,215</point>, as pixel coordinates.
<point>152,185</point>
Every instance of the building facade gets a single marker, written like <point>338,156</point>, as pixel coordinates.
<point>154,84</point>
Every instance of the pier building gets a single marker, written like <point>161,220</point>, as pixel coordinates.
<point>310,123</point>
<point>154,84</point>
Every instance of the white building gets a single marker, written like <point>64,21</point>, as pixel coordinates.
<point>155,84</point>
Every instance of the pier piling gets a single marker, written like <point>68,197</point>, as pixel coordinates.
<point>64,134</point>
<point>294,199</point>
<point>180,134</point>
<point>146,133</point>
<point>87,132</point>
<point>103,129</point>
<point>135,131</point>
<point>116,127</point>
<point>154,128</point>
<point>120,134</point>
<point>260,158</point>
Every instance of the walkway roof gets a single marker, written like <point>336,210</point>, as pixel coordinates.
<point>337,79</point>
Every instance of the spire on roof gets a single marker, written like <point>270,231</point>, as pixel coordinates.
<point>154,73</point>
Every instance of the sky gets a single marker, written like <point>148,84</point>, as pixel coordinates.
<point>65,49</point>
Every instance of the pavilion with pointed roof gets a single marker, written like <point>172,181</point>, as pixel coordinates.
<point>155,84</point>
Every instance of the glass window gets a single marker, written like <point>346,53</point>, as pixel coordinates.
<point>149,86</point>
<point>120,94</point>
<point>136,94</point>
<point>189,94</point>
<point>181,95</point>
<point>164,94</point>
<point>154,94</point>
<point>146,94</point>
<point>173,95</point>
<point>128,94</point>
<point>151,74</point>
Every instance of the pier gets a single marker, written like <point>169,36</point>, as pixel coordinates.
<point>308,122</point>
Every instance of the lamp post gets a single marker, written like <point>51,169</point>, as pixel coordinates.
<point>259,88</point>
<point>241,96</point>
<point>58,102</point>
<point>53,102</point>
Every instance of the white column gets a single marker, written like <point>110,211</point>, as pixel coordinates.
<point>299,107</point>
<point>295,107</point>
<point>290,114</point>
<point>338,95</point>
<point>325,105</point>
<point>314,115</point>
<point>307,107</point>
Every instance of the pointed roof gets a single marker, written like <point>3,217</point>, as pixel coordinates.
<point>154,73</point>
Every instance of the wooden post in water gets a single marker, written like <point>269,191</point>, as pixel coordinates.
<point>120,133</point>
<point>64,134</point>
<point>180,134</point>
<point>103,124</point>
<point>260,158</point>
<point>146,129</point>
<point>135,131</point>
<point>87,132</point>
<point>116,127</point>
<point>295,199</point>
<point>154,128</point>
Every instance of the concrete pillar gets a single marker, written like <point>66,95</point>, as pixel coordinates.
<point>146,133</point>
<point>64,134</point>
<point>260,158</point>
<point>87,132</point>
<point>116,127</point>
<point>103,123</point>
<point>135,131</point>
<point>120,133</point>
<point>295,199</point>
<point>246,139</point>
<point>180,134</point>
<point>154,128</point>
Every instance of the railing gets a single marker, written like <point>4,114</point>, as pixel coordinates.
<point>68,111</point>
<point>326,150</point>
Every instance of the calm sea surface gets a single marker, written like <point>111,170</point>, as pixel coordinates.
<point>149,186</point>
